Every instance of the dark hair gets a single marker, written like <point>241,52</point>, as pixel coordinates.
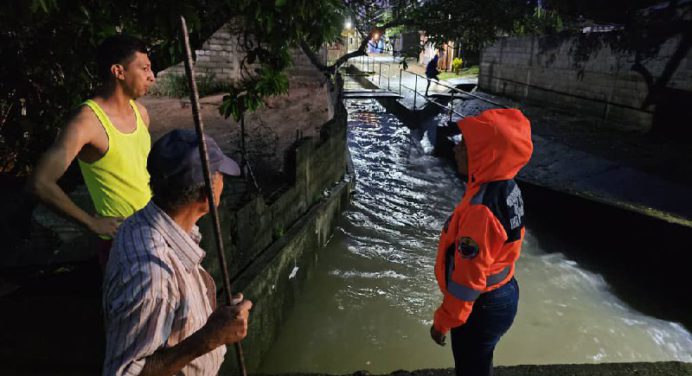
<point>116,49</point>
<point>169,195</point>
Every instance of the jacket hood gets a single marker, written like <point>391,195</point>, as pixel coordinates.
<point>498,144</point>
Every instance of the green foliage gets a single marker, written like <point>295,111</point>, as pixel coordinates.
<point>634,27</point>
<point>472,23</point>
<point>48,55</point>
<point>464,72</point>
<point>248,95</point>
<point>469,23</point>
<point>48,52</point>
<point>170,85</point>
<point>457,64</point>
<point>268,30</point>
<point>278,232</point>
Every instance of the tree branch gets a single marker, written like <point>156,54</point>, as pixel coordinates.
<point>313,58</point>
<point>359,52</point>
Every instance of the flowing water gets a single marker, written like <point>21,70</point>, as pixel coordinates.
<point>368,303</point>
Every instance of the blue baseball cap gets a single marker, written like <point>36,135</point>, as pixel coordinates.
<point>175,157</point>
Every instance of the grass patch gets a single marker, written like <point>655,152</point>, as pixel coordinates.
<point>174,85</point>
<point>465,72</point>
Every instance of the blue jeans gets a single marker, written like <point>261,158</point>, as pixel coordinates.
<point>474,342</point>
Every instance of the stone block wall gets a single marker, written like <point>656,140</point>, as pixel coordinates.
<point>314,165</point>
<point>603,86</point>
<point>222,56</point>
<point>265,241</point>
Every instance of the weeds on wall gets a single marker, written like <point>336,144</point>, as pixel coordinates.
<point>175,85</point>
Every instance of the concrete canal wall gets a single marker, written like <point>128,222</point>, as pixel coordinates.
<point>545,70</point>
<point>604,369</point>
<point>607,369</point>
<point>272,242</point>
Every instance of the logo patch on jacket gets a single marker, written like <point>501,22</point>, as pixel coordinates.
<point>467,247</point>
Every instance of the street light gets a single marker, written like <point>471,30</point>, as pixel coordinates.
<point>348,25</point>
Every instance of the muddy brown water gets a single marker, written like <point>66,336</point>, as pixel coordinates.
<point>369,300</point>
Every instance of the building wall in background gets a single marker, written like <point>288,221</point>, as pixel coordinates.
<point>604,85</point>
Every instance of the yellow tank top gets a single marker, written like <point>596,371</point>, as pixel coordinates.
<point>118,183</point>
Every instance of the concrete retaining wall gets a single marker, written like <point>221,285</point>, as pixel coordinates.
<point>265,241</point>
<point>604,86</point>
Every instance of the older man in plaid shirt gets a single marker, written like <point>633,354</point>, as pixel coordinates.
<point>159,303</point>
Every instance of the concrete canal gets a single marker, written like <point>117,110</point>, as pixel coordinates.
<point>369,299</point>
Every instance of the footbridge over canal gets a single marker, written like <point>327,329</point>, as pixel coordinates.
<point>370,94</point>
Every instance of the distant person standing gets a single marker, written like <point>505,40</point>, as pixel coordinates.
<point>481,241</point>
<point>431,72</point>
<point>109,136</point>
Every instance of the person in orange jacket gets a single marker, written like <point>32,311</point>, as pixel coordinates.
<point>481,241</point>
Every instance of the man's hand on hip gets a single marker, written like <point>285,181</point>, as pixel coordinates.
<point>105,225</point>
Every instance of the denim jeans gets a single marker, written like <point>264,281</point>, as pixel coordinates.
<point>474,342</point>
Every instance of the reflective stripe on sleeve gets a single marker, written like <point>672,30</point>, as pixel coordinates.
<point>462,292</point>
<point>468,294</point>
<point>499,277</point>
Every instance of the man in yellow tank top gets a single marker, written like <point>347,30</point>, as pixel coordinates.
<point>109,136</point>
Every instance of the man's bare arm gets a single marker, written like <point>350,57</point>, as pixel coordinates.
<point>226,325</point>
<point>44,181</point>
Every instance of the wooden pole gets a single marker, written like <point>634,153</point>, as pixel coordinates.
<point>199,127</point>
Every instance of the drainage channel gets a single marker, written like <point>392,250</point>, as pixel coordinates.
<point>369,301</point>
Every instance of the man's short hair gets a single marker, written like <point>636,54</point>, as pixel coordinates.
<point>116,49</point>
<point>175,194</point>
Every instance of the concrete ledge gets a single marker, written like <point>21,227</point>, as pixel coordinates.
<point>605,369</point>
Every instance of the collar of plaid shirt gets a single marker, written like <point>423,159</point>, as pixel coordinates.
<point>186,246</point>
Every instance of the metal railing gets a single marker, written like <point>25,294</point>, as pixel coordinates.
<point>368,65</point>
<point>457,90</point>
<point>449,107</point>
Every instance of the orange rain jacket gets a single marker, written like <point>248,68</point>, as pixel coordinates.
<point>481,240</point>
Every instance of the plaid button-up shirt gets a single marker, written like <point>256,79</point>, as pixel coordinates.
<point>156,293</point>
